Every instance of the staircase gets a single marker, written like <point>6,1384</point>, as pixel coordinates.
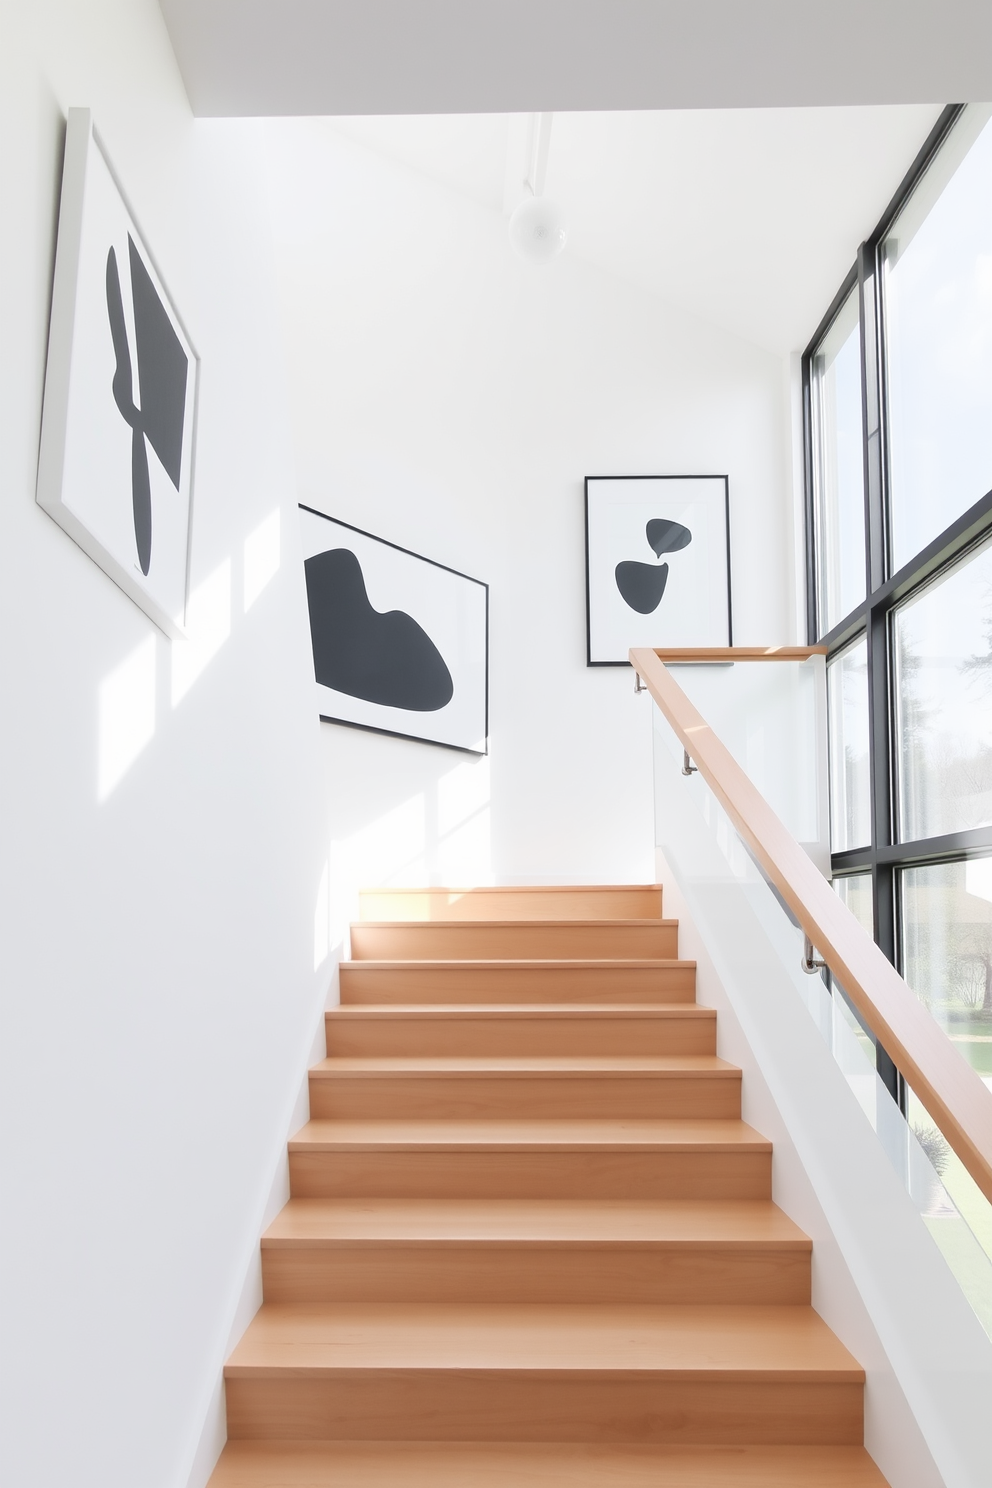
<point>530,1241</point>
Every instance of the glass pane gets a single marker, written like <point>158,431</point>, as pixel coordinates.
<point>838,469</point>
<point>947,960</point>
<point>943,690</point>
<point>855,890</point>
<point>847,707</point>
<point>947,951</point>
<point>937,275</point>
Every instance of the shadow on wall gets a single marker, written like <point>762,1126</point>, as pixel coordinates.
<point>401,814</point>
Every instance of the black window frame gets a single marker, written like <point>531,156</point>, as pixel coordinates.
<point>884,856</point>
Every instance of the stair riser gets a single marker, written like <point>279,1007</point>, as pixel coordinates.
<point>429,942</point>
<point>519,904</point>
<point>562,1174</point>
<point>522,1098</point>
<point>399,1037</point>
<point>413,984</point>
<point>252,1464</point>
<point>531,1273</point>
<point>527,1405</point>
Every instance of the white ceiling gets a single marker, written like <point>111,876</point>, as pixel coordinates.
<point>280,57</point>
<point>770,136</point>
<point>748,218</point>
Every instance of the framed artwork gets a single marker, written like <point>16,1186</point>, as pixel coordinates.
<point>118,426</point>
<point>400,643</point>
<point>657,564</point>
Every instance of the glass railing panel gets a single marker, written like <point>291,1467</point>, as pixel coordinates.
<point>771,715</point>
<point>726,893</point>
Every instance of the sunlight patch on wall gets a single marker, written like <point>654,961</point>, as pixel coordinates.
<point>261,557</point>
<point>464,850</point>
<point>208,620</point>
<point>389,850</point>
<point>126,715</point>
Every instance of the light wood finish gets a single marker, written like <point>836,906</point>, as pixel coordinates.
<point>734,653</point>
<point>519,1088</point>
<point>287,1464</point>
<point>513,940</point>
<point>543,1028</point>
<point>955,1096</point>
<point>655,980</point>
<point>567,902</point>
<point>543,1372</point>
<point>505,1250</point>
<point>530,1241</point>
<point>530,1159</point>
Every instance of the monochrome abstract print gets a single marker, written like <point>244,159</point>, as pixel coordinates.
<point>116,460</point>
<point>400,643</point>
<point>657,564</point>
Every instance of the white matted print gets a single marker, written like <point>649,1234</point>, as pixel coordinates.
<point>657,564</point>
<point>400,643</point>
<point>116,461</point>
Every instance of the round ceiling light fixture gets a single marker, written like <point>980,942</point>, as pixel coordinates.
<point>538,231</point>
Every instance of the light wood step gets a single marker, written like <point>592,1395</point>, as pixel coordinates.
<point>285,1464</point>
<point>512,1250</point>
<point>646,979</point>
<point>527,1372</point>
<point>561,902</point>
<point>628,1159</point>
<point>543,1028</point>
<point>510,1087</point>
<point>513,940</point>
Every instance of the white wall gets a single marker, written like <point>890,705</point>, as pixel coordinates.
<point>450,398</point>
<point>158,997</point>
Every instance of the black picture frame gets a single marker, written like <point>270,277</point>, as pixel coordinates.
<point>404,637</point>
<point>628,545</point>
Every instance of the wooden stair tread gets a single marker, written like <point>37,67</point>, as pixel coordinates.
<point>544,1066</point>
<point>710,1224</point>
<point>573,901</point>
<point>671,1134</point>
<point>378,940</point>
<point>560,888</point>
<point>314,1464</point>
<point>651,922</point>
<point>525,1011</point>
<point>516,963</point>
<point>728,1343</point>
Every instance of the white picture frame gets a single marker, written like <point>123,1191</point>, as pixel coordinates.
<point>400,643</point>
<point>118,429</point>
<point>657,564</point>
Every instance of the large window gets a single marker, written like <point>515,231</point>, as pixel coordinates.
<point>898,410</point>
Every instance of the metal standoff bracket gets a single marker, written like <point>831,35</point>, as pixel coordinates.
<point>687,767</point>
<point>638,684</point>
<point>810,963</point>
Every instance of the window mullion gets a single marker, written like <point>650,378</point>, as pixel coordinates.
<point>876,572</point>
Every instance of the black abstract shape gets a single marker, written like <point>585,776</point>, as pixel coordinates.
<point>667,537</point>
<point>123,390</point>
<point>642,585</point>
<point>163,369</point>
<point>381,658</point>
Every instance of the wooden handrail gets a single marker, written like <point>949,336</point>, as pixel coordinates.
<point>949,1088</point>
<point>738,653</point>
